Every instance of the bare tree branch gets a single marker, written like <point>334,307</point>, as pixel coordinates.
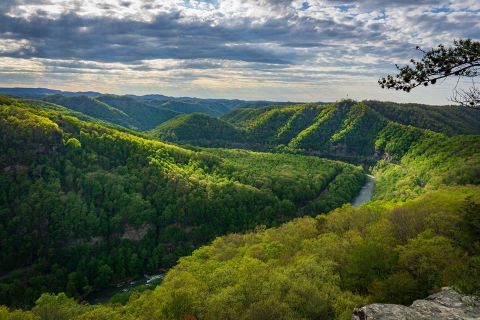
<point>467,98</point>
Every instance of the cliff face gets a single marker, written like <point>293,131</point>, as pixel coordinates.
<point>446,304</point>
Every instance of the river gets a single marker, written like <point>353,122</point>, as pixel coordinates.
<point>365,194</point>
<point>103,295</point>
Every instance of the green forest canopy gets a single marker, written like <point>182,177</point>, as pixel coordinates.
<point>346,130</point>
<point>312,268</point>
<point>422,232</point>
<point>83,205</point>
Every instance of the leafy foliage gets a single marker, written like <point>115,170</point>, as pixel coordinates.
<point>347,130</point>
<point>321,268</point>
<point>442,119</point>
<point>83,205</point>
<point>462,60</point>
<point>427,161</point>
<point>197,128</point>
<point>94,108</point>
<point>146,116</point>
<point>311,268</point>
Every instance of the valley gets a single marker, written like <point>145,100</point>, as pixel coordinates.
<point>251,211</point>
<point>125,205</point>
<point>239,160</point>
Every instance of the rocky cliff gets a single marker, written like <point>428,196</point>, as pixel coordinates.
<point>446,304</point>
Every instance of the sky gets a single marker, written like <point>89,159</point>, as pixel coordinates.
<point>283,50</point>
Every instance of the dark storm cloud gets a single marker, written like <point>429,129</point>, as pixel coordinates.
<point>272,41</point>
<point>108,39</point>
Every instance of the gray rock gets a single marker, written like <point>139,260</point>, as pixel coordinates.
<point>447,304</point>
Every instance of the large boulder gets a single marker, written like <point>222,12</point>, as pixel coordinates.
<point>446,304</point>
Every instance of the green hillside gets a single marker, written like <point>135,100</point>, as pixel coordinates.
<point>213,107</point>
<point>195,128</point>
<point>406,160</point>
<point>450,120</point>
<point>192,106</point>
<point>321,268</point>
<point>427,160</point>
<point>311,268</point>
<point>345,130</point>
<point>141,113</point>
<point>83,206</point>
<point>119,110</point>
<point>147,116</point>
<point>94,108</point>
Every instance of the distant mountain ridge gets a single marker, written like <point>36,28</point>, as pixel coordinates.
<point>141,113</point>
<point>38,93</point>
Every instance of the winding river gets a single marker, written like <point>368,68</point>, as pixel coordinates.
<point>365,194</point>
<point>103,295</point>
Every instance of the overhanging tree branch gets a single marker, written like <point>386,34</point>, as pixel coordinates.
<point>462,60</point>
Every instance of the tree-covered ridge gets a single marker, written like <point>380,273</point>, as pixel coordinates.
<point>354,131</point>
<point>321,268</point>
<point>119,110</point>
<point>312,268</point>
<point>241,117</point>
<point>197,127</point>
<point>94,108</point>
<point>312,184</point>
<point>83,205</point>
<point>445,119</point>
<point>450,120</point>
<point>411,160</point>
<point>141,113</point>
<point>145,115</point>
<point>344,129</point>
<point>291,124</point>
<point>121,204</point>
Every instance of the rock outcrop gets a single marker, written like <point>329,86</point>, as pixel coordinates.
<point>446,304</point>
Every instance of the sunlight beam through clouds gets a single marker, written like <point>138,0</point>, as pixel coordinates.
<point>253,49</point>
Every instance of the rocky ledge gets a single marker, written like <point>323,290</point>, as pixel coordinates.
<point>446,304</point>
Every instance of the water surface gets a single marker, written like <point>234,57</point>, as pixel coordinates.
<point>103,295</point>
<point>365,194</point>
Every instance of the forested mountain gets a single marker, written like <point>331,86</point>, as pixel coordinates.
<point>345,130</point>
<point>406,159</point>
<point>450,120</point>
<point>83,205</point>
<point>321,268</point>
<point>140,113</point>
<point>146,116</point>
<point>311,268</point>
<point>199,129</point>
<point>39,93</point>
<point>94,108</point>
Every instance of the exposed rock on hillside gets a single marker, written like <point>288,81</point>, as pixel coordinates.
<point>446,304</point>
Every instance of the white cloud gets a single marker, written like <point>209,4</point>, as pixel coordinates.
<point>295,46</point>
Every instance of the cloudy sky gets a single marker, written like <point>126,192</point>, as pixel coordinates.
<point>306,50</point>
